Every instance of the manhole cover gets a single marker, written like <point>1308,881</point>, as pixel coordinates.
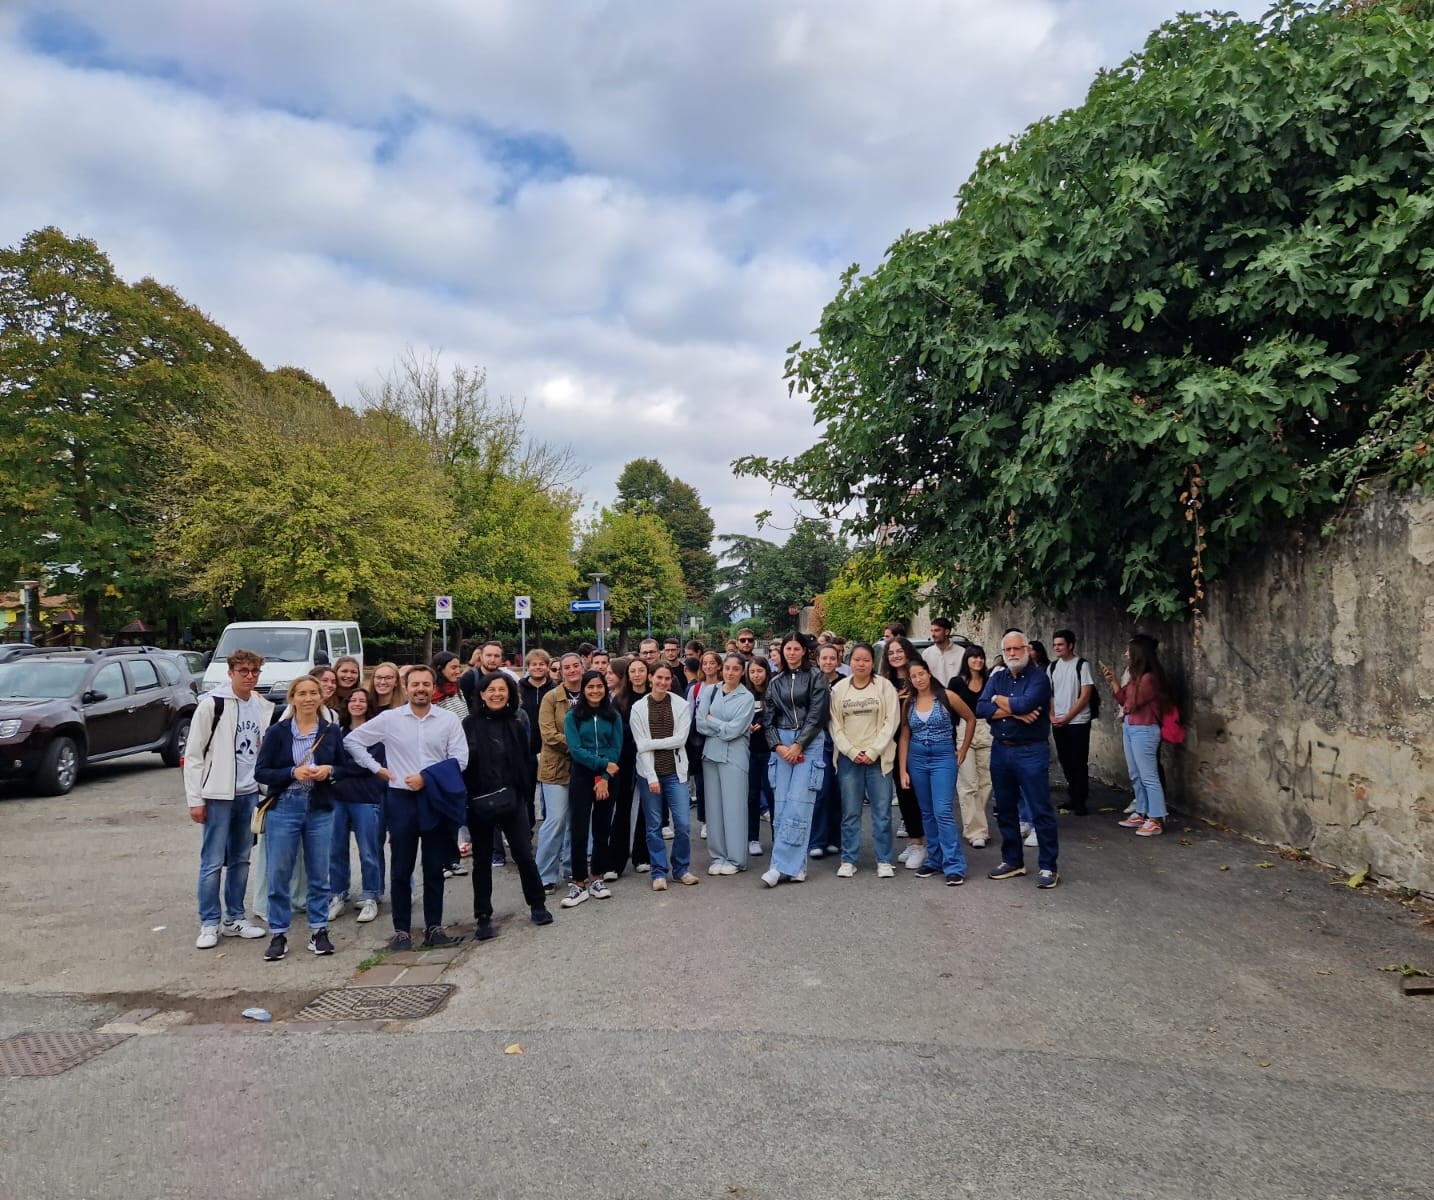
<point>32,1055</point>
<point>375,1003</point>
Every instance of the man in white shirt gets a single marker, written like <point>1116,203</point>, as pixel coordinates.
<point>943,656</point>
<point>1072,689</point>
<point>414,737</point>
<point>219,789</point>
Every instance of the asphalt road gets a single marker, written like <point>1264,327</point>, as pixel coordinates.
<point>1156,1026</point>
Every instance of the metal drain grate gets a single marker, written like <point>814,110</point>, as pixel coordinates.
<point>402,1003</point>
<point>34,1055</point>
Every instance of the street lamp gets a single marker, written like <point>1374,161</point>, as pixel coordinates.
<point>648,598</point>
<point>597,593</point>
<point>25,585</point>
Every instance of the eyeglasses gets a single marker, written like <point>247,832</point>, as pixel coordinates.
<point>245,670</point>
<point>749,641</point>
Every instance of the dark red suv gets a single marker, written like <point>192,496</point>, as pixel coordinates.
<point>62,709</point>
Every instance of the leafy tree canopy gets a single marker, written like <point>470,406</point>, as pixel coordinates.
<point>645,486</point>
<point>767,579</point>
<point>1157,326</point>
<point>96,374</point>
<point>866,596</point>
<point>638,556</point>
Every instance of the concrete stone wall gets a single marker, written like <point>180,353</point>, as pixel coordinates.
<point>1310,699</point>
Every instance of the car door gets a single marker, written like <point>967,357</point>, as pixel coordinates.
<point>108,721</point>
<point>149,699</point>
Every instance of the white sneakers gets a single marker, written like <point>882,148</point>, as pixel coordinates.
<point>208,937</point>
<point>1031,839</point>
<point>846,870</point>
<point>241,929</point>
<point>368,910</point>
<point>771,878</point>
<point>715,869</point>
<point>913,857</point>
<point>727,869</point>
<point>702,833</point>
<point>978,843</point>
<point>755,849</point>
<point>885,871</point>
<point>337,904</point>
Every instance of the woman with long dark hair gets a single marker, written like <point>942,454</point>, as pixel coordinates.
<point>1143,701</point>
<point>897,658</point>
<point>724,718</point>
<point>499,777</point>
<point>797,700</point>
<point>865,717</point>
<point>629,835</point>
<point>973,780</point>
<point>593,731</point>
<point>930,758</point>
<point>759,782</point>
<point>358,809</point>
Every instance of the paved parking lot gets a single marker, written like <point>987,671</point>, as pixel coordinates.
<point>1176,1019</point>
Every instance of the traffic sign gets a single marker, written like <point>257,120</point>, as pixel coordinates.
<point>443,607</point>
<point>600,591</point>
<point>586,606</point>
<point>522,608</point>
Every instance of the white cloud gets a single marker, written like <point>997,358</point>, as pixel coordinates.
<point>625,211</point>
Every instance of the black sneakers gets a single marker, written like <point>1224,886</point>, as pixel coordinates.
<point>434,938</point>
<point>400,941</point>
<point>319,942</point>
<point>278,947</point>
<point>1005,870</point>
<point>484,932</point>
<point>540,916</point>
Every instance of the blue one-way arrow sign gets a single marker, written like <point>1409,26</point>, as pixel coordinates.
<point>586,606</point>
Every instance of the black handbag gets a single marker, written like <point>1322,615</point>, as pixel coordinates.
<point>492,806</point>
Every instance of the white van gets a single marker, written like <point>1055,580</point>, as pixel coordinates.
<point>289,649</point>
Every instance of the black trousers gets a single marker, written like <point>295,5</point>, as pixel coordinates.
<point>515,828</point>
<point>588,814</point>
<point>622,848</point>
<point>400,809</point>
<point>1073,749</point>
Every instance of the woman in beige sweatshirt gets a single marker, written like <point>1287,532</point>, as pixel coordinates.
<point>864,716</point>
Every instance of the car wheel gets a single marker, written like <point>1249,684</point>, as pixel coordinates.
<point>59,768</point>
<point>173,751</point>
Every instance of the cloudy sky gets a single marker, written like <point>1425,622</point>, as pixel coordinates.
<point>625,211</point>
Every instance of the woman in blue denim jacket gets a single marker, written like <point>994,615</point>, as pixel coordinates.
<point>296,760</point>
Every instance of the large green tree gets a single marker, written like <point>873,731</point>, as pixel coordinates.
<point>1157,324</point>
<point>645,486</point>
<point>767,580</point>
<point>637,554</point>
<point>97,377</point>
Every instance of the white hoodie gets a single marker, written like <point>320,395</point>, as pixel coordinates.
<point>211,776</point>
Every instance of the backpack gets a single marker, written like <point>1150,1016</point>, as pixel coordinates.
<point>1094,706</point>
<point>218,712</point>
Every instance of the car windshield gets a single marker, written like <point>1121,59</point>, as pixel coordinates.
<point>273,644</point>
<point>36,679</point>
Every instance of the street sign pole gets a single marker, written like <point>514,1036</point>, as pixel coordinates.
<point>523,609</point>
<point>443,610</point>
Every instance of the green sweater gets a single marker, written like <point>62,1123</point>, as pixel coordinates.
<point>593,741</point>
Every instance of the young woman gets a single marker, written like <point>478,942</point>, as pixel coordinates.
<point>797,700</point>
<point>1143,701</point>
<point>594,736</point>
<point>358,809</point>
<point>632,689</point>
<point>296,760</point>
<point>447,671</point>
<point>709,678</point>
<point>929,762</point>
<point>827,816</point>
<point>348,675</point>
<point>973,781</point>
<point>384,691</point>
<point>329,685</point>
<point>724,719</point>
<point>500,758</point>
<point>865,715</point>
<point>759,754</point>
<point>660,722</point>
<point>900,653</point>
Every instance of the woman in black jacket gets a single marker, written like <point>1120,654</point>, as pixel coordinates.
<point>499,775</point>
<point>296,761</point>
<point>796,723</point>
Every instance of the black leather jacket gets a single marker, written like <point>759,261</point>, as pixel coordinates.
<point>797,700</point>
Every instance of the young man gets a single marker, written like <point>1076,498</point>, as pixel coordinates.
<point>1017,701</point>
<point>1072,688</point>
<point>661,721</point>
<point>746,645</point>
<point>219,788</point>
<point>554,767</point>
<point>943,656</point>
<point>415,737</point>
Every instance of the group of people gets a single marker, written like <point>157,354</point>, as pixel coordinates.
<point>606,758</point>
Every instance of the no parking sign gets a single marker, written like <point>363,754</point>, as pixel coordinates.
<point>443,607</point>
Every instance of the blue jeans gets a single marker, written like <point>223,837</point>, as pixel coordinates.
<point>796,787</point>
<point>932,767</point>
<point>224,846</point>
<point>289,825</point>
<point>827,814</point>
<point>674,792</point>
<point>1142,760</point>
<point>553,833</point>
<point>859,782</point>
<point>1024,771</point>
<point>366,823</point>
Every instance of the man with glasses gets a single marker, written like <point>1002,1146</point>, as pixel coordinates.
<point>220,790</point>
<point>1017,703</point>
<point>746,645</point>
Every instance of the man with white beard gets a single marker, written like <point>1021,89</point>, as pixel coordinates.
<point>1017,703</point>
